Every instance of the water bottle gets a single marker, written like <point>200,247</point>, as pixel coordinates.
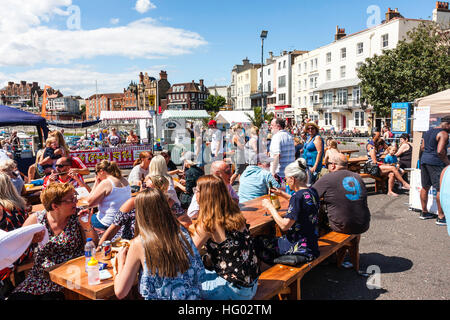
<point>93,272</point>
<point>89,251</point>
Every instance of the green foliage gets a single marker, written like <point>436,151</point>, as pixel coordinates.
<point>256,120</point>
<point>214,103</point>
<point>417,67</point>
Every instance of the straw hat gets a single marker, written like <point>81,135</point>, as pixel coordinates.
<point>312,124</point>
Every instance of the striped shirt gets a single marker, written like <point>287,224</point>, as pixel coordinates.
<point>282,144</point>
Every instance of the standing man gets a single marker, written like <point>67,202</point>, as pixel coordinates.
<point>282,148</point>
<point>434,159</point>
<point>216,141</point>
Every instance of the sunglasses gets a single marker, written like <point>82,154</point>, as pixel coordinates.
<point>62,165</point>
<point>73,200</point>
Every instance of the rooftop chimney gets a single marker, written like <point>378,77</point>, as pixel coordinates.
<point>442,6</point>
<point>246,61</point>
<point>201,82</point>
<point>163,75</point>
<point>340,33</point>
<point>392,14</point>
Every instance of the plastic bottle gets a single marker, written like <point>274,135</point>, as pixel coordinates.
<point>89,251</point>
<point>93,272</point>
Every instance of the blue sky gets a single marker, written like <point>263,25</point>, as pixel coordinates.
<point>191,40</point>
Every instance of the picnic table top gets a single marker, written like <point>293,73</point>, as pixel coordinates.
<point>72,276</point>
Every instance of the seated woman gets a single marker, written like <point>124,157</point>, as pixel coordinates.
<point>123,225</point>
<point>404,152</point>
<point>192,174</point>
<point>162,252</point>
<point>158,167</point>
<point>110,192</point>
<point>13,213</point>
<point>140,170</point>
<point>231,255</point>
<point>9,167</point>
<point>300,223</point>
<point>67,235</point>
<point>374,153</point>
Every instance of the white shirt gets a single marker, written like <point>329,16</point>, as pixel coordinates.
<point>216,139</point>
<point>3,156</point>
<point>282,144</point>
<point>136,175</point>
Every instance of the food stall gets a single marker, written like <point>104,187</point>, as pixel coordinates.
<point>26,154</point>
<point>427,114</point>
<point>123,154</point>
<point>227,119</point>
<point>173,126</point>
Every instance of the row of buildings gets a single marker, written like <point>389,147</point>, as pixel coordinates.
<point>322,84</point>
<point>150,94</point>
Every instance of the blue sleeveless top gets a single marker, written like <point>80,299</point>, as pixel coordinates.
<point>429,155</point>
<point>310,153</point>
<point>186,286</point>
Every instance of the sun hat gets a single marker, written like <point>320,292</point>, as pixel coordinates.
<point>212,123</point>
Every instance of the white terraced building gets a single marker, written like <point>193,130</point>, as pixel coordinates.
<point>325,82</point>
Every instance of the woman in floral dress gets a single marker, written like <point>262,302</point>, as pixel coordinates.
<point>67,235</point>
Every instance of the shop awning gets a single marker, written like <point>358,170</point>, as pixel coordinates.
<point>233,117</point>
<point>338,84</point>
<point>185,114</point>
<point>125,115</point>
<point>282,107</point>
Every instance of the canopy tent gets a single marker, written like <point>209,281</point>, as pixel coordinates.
<point>16,117</point>
<point>125,115</point>
<point>439,104</point>
<point>73,125</point>
<point>233,117</point>
<point>184,114</point>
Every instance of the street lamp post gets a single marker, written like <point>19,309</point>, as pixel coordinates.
<point>263,36</point>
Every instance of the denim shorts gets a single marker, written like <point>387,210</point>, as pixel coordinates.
<point>96,223</point>
<point>217,288</point>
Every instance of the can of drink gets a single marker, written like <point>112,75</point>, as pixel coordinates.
<point>106,249</point>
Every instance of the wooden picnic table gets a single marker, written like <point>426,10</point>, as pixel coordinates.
<point>348,151</point>
<point>354,164</point>
<point>72,276</point>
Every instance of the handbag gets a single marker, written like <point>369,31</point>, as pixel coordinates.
<point>372,169</point>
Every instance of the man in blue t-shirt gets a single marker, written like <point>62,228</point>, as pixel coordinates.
<point>254,181</point>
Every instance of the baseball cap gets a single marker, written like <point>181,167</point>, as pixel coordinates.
<point>212,123</point>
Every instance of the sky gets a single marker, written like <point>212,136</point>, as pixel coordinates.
<point>71,45</point>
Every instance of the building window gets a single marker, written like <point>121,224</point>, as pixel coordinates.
<point>356,95</point>
<point>305,67</point>
<point>268,72</point>
<point>385,40</point>
<point>311,83</point>
<point>360,48</point>
<point>284,64</point>
<point>299,68</point>
<point>282,98</point>
<point>342,97</point>
<point>299,85</point>
<point>281,81</point>
<point>312,64</point>
<point>328,98</point>
<point>329,57</point>
<point>343,72</point>
<point>315,82</point>
<point>358,65</point>
<point>328,74</point>
<point>269,86</point>
<point>328,118</point>
<point>359,118</point>
<point>315,62</point>
<point>279,65</point>
<point>343,53</point>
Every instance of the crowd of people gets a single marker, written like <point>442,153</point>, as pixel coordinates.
<point>188,236</point>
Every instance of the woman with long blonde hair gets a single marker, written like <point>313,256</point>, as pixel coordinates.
<point>222,228</point>
<point>158,167</point>
<point>162,251</point>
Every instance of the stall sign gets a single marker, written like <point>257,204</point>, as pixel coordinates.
<point>124,157</point>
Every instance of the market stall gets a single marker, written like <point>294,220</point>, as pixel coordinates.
<point>12,117</point>
<point>226,119</point>
<point>427,114</point>
<point>124,155</point>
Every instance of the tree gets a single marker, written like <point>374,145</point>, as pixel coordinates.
<point>214,103</point>
<point>417,67</point>
<point>256,120</point>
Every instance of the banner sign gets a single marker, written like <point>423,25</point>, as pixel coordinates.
<point>123,156</point>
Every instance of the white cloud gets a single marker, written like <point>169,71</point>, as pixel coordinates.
<point>27,42</point>
<point>114,20</point>
<point>80,79</point>
<point>142,6</point>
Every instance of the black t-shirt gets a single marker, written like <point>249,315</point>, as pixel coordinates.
<point>345,196</point>
<point>171,166</point>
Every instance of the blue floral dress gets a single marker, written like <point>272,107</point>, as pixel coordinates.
<point>186,286</point>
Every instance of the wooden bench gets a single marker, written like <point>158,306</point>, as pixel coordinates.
<point>380,182</point>
<point>285,280</point>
